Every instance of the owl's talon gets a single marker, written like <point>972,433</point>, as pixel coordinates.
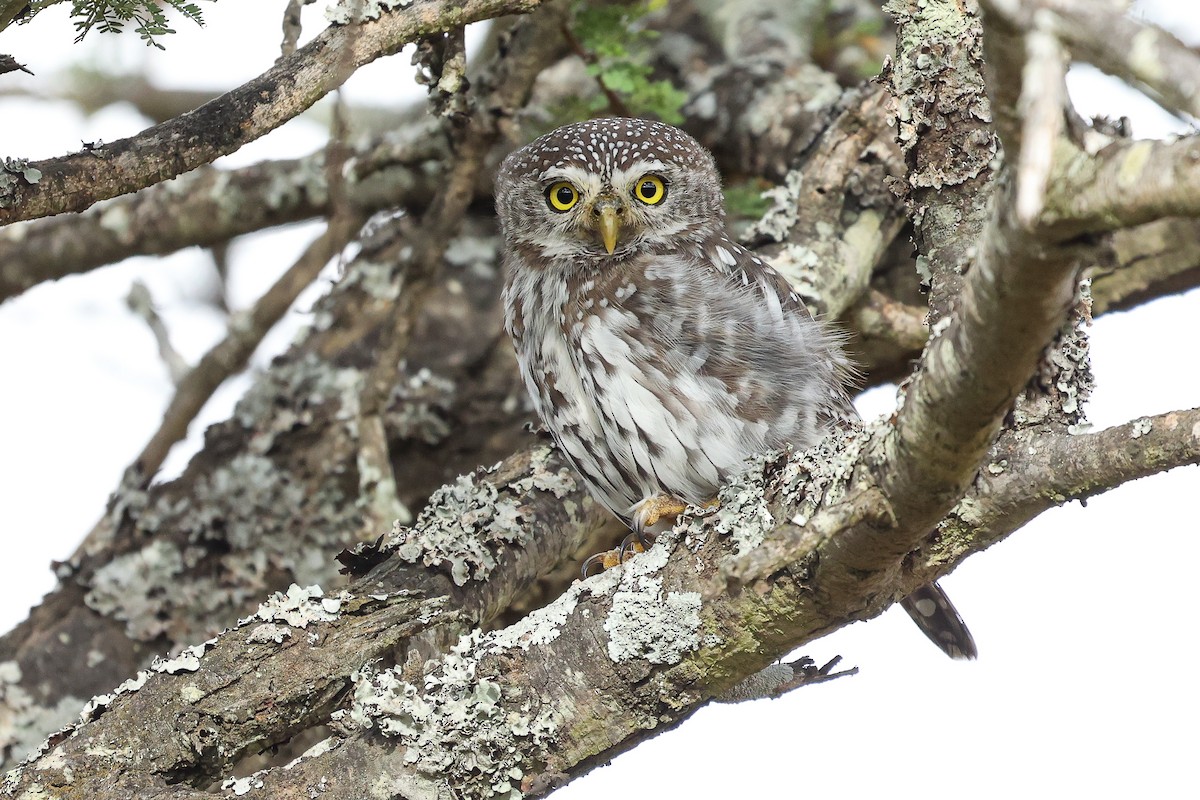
<point>600,562</point>
<point>634,543</point>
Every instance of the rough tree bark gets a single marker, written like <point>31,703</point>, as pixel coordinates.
<point>427,669</point>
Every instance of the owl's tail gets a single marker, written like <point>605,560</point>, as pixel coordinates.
<point>938,619</point>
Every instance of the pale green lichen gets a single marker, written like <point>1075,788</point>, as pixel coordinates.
<point>287,189</point>
<point>1065,380</point>
<point>12,171</point>
<point>785,209</point>
<point>308,382</point>
<point>23,721</point>
<point>798,263</point>
<point>465,522</point>
<point>247,510</point>
<point>800,482</point>
<point>343,12</point>
<point>457,727</point>
<point>300,605</point>
<point>560,482</point>
<point>646,623</point>
<point>462,725</point>
<point>420,407</point>
<point>240,786</point>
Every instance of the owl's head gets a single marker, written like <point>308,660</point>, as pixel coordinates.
<point>609,188</point>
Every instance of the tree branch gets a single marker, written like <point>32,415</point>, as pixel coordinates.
<point>616,658</point>
<point>1125,183</point>
<point>295,82</point>
<point>1145,56</point>
<point>230,355</point>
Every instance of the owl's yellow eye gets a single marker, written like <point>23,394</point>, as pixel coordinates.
<point>562,196</point>
<point>650,189</point>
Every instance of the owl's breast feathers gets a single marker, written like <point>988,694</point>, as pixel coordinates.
<point>662,373</point>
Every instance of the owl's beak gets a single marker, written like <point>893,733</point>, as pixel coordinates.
<point>610,227</point>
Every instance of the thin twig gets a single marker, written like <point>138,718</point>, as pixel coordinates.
<point>231,354</point>
<point>142,304</point>
<point>615,103</point>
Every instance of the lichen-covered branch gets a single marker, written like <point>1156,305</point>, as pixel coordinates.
<point>1125,183</point>
<point>404,381</point>
<point>276,491</point>
<point>526,708</point>
<point>208,206</point>
<point>833,217</point>
<point>1063,466</point>
<point>1014,299</point>
<point>944,126</point>
<point>295,82</point>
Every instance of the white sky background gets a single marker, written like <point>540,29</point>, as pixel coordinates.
<point>1085,619</point>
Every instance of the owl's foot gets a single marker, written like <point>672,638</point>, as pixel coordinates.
<point>648,512</point>
<point>631,545</point>
<point>634,543</point>
<point>652,510</point>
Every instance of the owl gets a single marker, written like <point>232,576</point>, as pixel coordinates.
<point>659,352</point>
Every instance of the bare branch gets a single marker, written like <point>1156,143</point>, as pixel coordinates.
<point>230,355</point>
<point>1145,56</point>
<point>74,182</point>
<point>1041,106</point>
<point>291,26</point>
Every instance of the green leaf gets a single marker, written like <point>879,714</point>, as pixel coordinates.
<point>618,51</point>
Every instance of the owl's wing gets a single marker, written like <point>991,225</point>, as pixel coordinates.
<point>836,371</point>
<point>739,321</point>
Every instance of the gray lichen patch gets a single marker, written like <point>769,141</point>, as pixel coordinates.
<point>821,474</point>
<point>23,721</point>
<point>124,588</point>
<point>796,484</point>
<point>420,406</point>
<point>343,12</point>
<point>543,625</point>
<point>287,395</point>
<point>1064,381</point>
<point>300,606</point>
<point>459,727</point>
<point>798,264</point>
<point>781,217</point>
<point>242,524</point>
<point>742,512</point>
<point>460,527</point>
<point>646,623</point>
<point>559,482</point>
